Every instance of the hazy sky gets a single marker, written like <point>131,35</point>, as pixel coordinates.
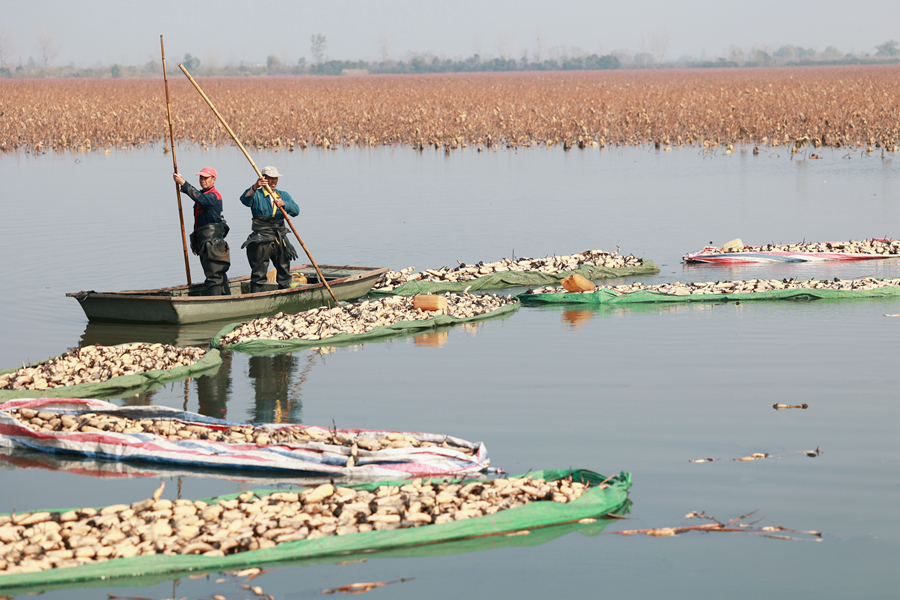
<point>227,31</point>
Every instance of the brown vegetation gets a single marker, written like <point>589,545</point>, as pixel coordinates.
<point>830,106</point>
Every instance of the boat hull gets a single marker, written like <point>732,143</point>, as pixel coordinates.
<point>186,304</point>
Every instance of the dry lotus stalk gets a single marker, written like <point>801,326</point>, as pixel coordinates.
<point>31,542</point>
<point>739,287</point>
<point>761,456</point>
<point>801,109</point>
<point>359,588</point>
<point>549,264</point>
<point>94,364</point>
<point>42,420</point>
<point>358,318</point>
<point>732,526</point>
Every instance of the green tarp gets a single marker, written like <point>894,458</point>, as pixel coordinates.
<point>261,346</point>
<point>644,296</point>
<point>534,537</point>
<point>507,279</point>
<point>125,385</point>
<point>594,503</point>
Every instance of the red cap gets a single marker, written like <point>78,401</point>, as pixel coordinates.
<point>207,172</point>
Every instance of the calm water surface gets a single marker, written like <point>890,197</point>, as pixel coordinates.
<point>642,390</point>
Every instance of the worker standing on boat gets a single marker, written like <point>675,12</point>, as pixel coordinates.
<point>208,239</point>
<point>268,240</point>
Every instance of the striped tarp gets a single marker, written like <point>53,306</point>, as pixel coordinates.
<point>314,458</point>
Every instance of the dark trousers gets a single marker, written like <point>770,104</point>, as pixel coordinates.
<point>216,271</point>
<point>259,256</point>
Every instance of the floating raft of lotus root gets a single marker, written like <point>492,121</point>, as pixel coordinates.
<point>593,264</point>
<point>168,436</point>
<point>261,527</point>
<point>803,252</point>
<point>354,323</point>
<point>721,291</point>
<point>107,371</point>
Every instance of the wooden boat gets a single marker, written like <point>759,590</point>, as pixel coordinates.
<point>187,304</point>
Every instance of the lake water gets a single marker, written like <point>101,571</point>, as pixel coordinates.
<point>641,390</point>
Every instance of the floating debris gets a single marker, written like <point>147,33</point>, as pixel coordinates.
<point>41,541</point>
<point>732,526</point>
<point>737,287</point>
<point>784,406</point>
<point>761,455</point>
<point>359,588</point>
<point>361,317</point>
<point>94,364</point>
<point>550,264</point>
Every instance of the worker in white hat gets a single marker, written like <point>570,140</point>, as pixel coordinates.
<point>268,240</point>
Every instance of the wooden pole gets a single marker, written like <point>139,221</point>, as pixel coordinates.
<point>259,176</point>
<point>187,265</point>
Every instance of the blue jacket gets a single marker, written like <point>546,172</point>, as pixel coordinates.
<point>207,205</point>
<point>261,207</point>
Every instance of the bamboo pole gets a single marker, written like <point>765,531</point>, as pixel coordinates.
<point>259,176</point>
<point>187,265</point>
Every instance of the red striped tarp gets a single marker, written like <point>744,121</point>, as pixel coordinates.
<point>313,458</point>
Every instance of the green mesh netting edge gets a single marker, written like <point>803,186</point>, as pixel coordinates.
<point>505,279</point>
<point>594,503</point>
<point>123,385</point>
<point>396,329</point>
<point>644,296</point>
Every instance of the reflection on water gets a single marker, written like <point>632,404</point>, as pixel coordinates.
<point>277,387</point>
<point>434,339</point>
<point>576,318</point>
<point>837,356</point>
<point>146,398</point>
<point>112,334</point>
<point>18,458</point>
<point>213,392</point>
<point>472,328</point>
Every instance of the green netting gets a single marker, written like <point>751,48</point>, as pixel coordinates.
<point>594,503</point>
<point>261,346</point>
<point>533,537</point>
<point>644,296</point>
<point>124,385</point>
<point>506,279</point>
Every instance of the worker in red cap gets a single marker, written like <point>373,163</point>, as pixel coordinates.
<point>208,239</point>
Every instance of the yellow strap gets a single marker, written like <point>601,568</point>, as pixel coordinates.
<point>277,196</point>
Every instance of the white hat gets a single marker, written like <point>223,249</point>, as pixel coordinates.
<point>271,172</point>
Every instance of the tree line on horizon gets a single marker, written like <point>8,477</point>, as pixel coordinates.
<point>786,55</point>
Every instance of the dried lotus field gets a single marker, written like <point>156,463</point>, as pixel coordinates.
<point>841,107</point>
